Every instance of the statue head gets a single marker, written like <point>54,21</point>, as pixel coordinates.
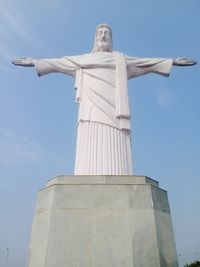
<point>103,39</point>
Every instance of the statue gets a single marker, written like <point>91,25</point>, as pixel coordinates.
<point>103,138</point>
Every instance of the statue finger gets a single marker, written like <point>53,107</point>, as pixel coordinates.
<point>14,61</point>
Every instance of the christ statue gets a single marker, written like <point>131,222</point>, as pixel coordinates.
<point>103,134</point>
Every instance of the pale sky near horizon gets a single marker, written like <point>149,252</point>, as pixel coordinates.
<point>38,115</point>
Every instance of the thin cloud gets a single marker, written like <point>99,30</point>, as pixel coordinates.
<point>15,22</point>
<point>164,95</point>
<point>5,55</point>
<point>22,150</point>
<point>5,133</point>
<point>18,149</point>
<point>15,19</point>
<point>163,98</point>
<point>18,153</point>
<point>6,52</point>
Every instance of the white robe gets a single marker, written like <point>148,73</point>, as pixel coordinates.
<point>103,139</point>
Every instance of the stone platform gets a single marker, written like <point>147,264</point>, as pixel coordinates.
<point>102,221</point>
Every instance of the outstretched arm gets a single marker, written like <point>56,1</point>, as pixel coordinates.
<point>184,62</point>
<point>141,66</point>
<point>65,65</point>
<point>24,62</point>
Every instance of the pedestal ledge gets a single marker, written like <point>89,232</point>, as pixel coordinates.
<point>102,179</point>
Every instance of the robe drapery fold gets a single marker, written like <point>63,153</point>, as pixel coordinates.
<point>78,85</point>
<point>113,147</point>
<point>102,95</point>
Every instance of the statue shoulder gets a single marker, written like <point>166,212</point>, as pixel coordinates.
<point>81,56</point>
<point>131,57</point>
<point>127,57</point>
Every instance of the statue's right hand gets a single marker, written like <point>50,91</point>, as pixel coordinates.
<point>24,62</point>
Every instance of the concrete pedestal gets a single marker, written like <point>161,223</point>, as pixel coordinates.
<point>102,221</point>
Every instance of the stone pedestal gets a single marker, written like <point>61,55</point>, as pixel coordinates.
<point>102,221</point>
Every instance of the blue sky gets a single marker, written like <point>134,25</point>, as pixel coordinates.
<point>38,115</point>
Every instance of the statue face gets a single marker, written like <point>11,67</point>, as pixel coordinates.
<point>104,39</point>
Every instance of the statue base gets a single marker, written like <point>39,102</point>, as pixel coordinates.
<point>102,221</point>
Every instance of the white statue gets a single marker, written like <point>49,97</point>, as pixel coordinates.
<point>103,139</point>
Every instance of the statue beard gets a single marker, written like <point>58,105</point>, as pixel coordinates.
<point>103,46</point>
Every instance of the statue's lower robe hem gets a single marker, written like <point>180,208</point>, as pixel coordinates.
<point>102,150</point>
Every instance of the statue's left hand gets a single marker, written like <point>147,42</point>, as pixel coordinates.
<point>184,62</point>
